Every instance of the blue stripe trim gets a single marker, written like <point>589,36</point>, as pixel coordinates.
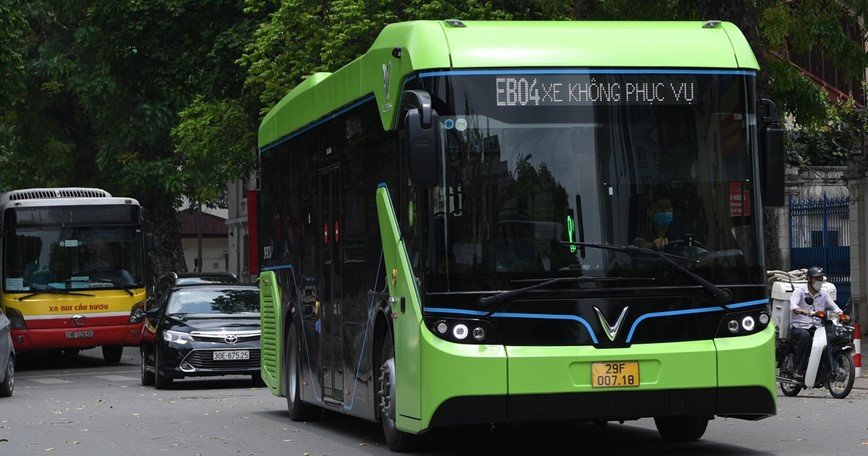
<point>520,71</point>
<point>748,304</point>
<point>668,314</point>
<point>319,122</point>
<point>672,313</point>
<point>550,317</point>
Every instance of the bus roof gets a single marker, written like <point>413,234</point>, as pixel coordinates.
<point>407,47</point>
<point>61,196</point>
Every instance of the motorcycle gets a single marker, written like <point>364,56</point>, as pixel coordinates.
<point>830,363</point>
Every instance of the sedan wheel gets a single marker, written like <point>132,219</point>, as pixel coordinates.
<point>8,385</point>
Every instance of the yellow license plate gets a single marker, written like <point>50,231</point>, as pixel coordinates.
<point>614,374</point>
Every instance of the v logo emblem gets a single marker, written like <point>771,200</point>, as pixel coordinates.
<point>611,330</point>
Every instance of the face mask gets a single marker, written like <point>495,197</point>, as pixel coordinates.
<point>662,218</point>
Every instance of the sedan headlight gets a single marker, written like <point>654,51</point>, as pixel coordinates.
<point>176,337</point>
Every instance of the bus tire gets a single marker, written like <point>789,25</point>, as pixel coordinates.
<point>111,354</point>
<point>147,377</point>
<point>396,439</point>
<point>297,408</point>
<point>681,428</point>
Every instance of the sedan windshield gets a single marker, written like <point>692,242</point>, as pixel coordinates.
<point>215,302</point>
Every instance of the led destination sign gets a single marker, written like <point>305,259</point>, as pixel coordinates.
<point>580,89</point>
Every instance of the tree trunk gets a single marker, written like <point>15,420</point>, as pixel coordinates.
<point>165,253</point>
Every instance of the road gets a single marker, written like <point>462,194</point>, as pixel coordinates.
<point>77,406</point>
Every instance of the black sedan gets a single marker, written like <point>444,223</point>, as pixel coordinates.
<point>202,330</point>
<point>7,358</point>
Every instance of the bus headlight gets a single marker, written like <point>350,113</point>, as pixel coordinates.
<point>16,318</point>
<point>744,323</point>
<point>732,326</point>
<point>460,330</point>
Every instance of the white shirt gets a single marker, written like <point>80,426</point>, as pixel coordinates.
<point>822,301</point>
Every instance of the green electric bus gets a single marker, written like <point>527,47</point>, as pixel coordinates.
<point>512,222</point>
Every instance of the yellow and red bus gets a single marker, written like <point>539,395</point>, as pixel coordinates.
<point>73,268</point>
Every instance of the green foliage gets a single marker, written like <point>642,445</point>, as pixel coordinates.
<point>832,142</point>
<point>12,31</point>
<point>206,127</point>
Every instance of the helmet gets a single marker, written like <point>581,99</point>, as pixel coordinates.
<point>816,271</point>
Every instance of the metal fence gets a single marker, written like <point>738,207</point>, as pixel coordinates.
<point>820,236</point>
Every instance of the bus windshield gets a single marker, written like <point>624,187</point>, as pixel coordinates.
<point>542,171</point>
<point>53,256</point>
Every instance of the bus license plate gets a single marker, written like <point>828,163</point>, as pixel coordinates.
<point>231,355</point>
<point>614,374</point>
<point>78,334</point>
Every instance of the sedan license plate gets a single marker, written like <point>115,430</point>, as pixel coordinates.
<point>231,355</point>
<point>78,334</point>
<point>615,374</point>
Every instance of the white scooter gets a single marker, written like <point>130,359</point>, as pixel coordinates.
<point>830,363</point>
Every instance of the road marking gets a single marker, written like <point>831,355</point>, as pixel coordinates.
<point>117,378</point>
<point>50,381</point>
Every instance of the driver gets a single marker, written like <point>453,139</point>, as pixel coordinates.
<point>661,230</point>
<point>802,323</point>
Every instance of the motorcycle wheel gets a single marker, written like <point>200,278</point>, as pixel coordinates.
<point>840,382</point>
<point>787,370</point>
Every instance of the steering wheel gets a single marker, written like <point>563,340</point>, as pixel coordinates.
<point>685,248</point>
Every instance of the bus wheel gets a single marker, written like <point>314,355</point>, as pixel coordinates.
<point>147,377</point>
<point>397,440</point>
<point>111,354</point>
<point>298,409</point>
<point>681,428</point>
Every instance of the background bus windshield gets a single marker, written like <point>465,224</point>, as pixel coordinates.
<point>48,250</point>
<point>533,162</point>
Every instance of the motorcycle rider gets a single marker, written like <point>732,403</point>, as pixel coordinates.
<point>802,323</point>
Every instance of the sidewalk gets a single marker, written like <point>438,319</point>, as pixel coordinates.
<point>861,382</point>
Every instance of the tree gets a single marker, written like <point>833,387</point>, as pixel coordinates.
<point>105,84</point>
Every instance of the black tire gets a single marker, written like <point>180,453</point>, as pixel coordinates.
<point>787,369</point>
<point>8,385</point>
<point>147,377</point>
<point>111,354</point>
<point>398,440</point>
<point>681,428</point>
<point>841,381</point>
<point>298,409</point>
<point>160,381</point>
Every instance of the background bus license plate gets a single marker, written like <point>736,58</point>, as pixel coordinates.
<point>78,334</point>
<point>230,355</point>
<point>621,373</point>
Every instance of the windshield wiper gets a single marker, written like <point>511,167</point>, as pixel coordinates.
<point>723,295</point>
<point>500,297</point>
<point>53,291</point>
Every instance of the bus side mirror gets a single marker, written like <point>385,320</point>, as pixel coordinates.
<point>421,138</point>
<point>771,157</point>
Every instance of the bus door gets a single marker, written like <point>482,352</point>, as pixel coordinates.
<point>331,320</point>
